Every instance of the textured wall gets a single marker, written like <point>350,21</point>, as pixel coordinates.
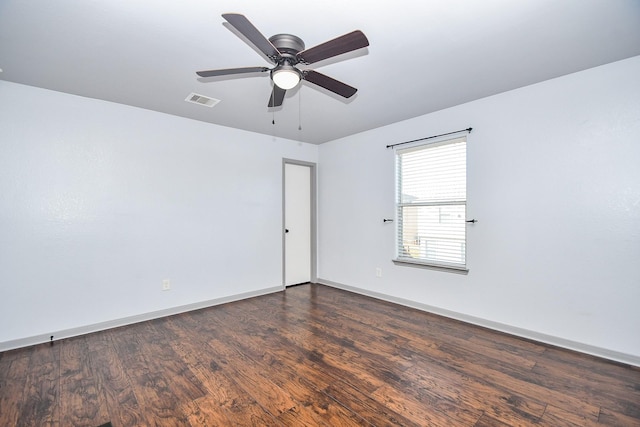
<point>553,179</point>
<point>100,202</point>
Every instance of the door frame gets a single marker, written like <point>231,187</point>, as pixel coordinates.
<point>313,220</point>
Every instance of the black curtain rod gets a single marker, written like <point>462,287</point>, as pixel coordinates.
<point>430,137</point>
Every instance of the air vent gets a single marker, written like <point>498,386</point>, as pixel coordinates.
<point>201,100</point>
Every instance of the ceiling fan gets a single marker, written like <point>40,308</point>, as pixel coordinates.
<point>286,51</point>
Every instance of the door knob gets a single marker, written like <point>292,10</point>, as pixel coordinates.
<point>286,230</point>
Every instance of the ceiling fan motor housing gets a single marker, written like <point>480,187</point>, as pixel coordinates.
<point>287,44</point>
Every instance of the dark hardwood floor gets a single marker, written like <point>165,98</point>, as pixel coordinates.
<point>312,355</point>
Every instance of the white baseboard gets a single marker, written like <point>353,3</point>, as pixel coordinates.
<point>616,356</point>
<point>87,329</point>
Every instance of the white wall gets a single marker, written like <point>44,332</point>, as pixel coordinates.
<point>100,202</point>
<point>554,181</point>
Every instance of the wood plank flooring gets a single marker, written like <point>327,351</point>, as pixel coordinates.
<point>311,356</point>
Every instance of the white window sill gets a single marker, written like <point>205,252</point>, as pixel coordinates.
<point>431,266</point>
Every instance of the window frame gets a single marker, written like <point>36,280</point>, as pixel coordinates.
<point>399,205</point>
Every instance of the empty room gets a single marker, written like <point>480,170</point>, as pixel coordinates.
<point>218,213</point>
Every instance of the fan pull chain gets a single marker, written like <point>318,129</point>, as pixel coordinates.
<point>300,108</point>
<point>273,110</point>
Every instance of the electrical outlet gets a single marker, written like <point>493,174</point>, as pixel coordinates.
<point>378,272</point>
<point>166,284</point>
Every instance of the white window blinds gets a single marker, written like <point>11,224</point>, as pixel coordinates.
<point>431,203</point>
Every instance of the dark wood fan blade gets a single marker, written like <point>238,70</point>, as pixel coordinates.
<point>231,71</point>
<point>242,24</point>
<point>329,83</point>
<point>277,96</point>
<point>343,44</point>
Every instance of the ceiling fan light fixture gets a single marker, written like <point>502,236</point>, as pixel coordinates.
<point>285,77</point>
<point>286,51</point>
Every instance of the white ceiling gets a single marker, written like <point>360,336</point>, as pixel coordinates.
<point>423,55</point>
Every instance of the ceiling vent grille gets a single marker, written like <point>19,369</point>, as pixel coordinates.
<point>201,100</point>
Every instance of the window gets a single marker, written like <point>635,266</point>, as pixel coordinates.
<point>431,204</point>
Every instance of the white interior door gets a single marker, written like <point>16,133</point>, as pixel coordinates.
<point>297,224</point>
